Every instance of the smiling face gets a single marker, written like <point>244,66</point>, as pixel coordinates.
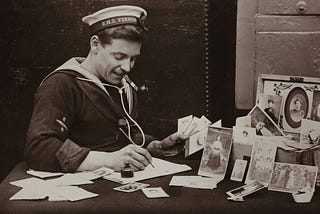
<point>116,59</point>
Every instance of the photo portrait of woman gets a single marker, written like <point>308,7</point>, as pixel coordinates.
<point>297,113</point>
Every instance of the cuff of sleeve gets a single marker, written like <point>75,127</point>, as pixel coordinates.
<point>70,156</point>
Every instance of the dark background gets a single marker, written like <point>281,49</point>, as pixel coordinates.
<point>187,63</point>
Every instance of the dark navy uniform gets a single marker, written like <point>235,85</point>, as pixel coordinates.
<point>73,115</point>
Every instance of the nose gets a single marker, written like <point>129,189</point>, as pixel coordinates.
<point>125,66</point>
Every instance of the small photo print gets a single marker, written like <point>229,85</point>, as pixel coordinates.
<point>263,124</point>
<point>292,177</point>
<point>239,169</point>
<point>246,189</point>
<point>315,111</point>
<point>310,132</point>
<point>216,153</point>
<point>154,192</point>
<point>271,104</point>
<point>261,162</point>
<point>131,187</point>
<point>244,135</point>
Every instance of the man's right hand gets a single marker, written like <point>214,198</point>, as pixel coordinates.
<point>137,157</point>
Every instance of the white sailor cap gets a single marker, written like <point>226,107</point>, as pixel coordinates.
<point>115,16</point>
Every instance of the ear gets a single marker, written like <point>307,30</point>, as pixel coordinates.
<point>94,44</point>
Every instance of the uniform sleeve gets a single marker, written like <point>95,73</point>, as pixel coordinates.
<point>48,146</point>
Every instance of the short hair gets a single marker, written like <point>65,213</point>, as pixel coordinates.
<point>128,32</point>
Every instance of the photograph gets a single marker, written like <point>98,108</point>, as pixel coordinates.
<point>296,107</point>
<point>246,189</point>
<point>244,135</point>
<point>310,132</point>
<point>239,169</point>
<point>131,187</point>
<point>262,158</point>
<point>315,111</point>
<point>292,178</point>
<point>271,104</point>
<point>263,124</point>
<point>216,153</point>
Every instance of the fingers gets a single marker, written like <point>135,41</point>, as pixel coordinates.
<point>137,157</point>
<point>178,137</point>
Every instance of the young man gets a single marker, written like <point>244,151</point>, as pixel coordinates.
<point>85,110</point>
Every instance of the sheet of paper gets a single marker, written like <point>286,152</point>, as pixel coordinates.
<point>29,194</point>
<point>68,180</point>
<point>43,174</point>
<point>162,168</point>
<point>91,175</point>
<point>73,193</point>
<point>194,182</point>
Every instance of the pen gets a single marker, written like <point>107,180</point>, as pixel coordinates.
<point>132,142</point>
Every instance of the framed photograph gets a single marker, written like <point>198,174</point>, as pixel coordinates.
<point>262,158</point>
<point>239,169</point>
<point>315,111</point>
<point>216,153</point>
<point>263,124</point>
<point>292,177</point>
<point>245,189</point>
<point>244,135</point>
<point>297,93</point>
<point>271,104</point>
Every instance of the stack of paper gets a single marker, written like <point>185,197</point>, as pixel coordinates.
<point>58,189</point>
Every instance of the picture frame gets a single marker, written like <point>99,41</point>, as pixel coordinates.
<point>315,111</point>
<point>216,153</point>
<point>290,88</point>
<point>291,178</point>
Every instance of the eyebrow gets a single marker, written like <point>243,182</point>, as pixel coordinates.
<point>118,52</point>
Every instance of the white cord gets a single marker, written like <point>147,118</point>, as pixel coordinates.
<point>125,111</point>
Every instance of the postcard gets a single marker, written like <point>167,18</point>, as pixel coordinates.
<point>271,104</point>
<point>244,135</point>
<point>239,169</point>
<point>261,162</point>
<point>263,124</point>
<point>293,177</point>
<point>195,142</point>
<point>216,153</point>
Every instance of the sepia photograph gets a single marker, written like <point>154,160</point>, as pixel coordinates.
<point>263,124</point>
<point>293,177</point>
<point>244,135</point>
<point>102,92</point>
<point>271,104</point>
<point>216,153</point>
<point>261,162</point>
<point>238,170</point>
